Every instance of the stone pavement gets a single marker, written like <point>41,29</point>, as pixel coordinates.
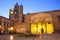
<point>41,37</point>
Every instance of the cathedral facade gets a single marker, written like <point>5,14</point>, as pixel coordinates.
<point>36,23</point>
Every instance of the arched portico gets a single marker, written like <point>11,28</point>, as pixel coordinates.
<point>42,28</point>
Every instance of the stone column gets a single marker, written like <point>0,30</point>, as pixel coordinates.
<point>6,27</point>
<point>45,28</point>
<point>37,28</point>
<point>2,25</point>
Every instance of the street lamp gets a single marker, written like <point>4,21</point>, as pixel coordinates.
<point>11,29</point>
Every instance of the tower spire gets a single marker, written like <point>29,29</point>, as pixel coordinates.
<point>17,3</point>
<point>21,9</point>
<point>16,8</point>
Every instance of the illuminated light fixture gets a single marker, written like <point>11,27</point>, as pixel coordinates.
<point>11,12</point>
<point>11,29</point>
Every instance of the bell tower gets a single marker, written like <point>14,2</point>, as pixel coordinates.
<point>16,11</point>
<point>21,9</point>
<point>21,13</point>
<point>16,8</point>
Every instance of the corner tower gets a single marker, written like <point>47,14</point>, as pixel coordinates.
<point>14,14</point>
<point>11,14</point>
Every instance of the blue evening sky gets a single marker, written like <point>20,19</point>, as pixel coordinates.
<point>31,6</point>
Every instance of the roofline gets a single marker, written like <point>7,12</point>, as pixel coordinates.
<point>4,17</point>
<point>44,11</point>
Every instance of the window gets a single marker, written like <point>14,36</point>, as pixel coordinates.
<point>58,17</point>
<point>23,19</point>
<point>49,23</point>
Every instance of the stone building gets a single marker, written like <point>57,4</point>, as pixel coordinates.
<point>37,23</point>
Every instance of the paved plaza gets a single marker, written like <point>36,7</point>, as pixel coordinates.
<point>41,37</point>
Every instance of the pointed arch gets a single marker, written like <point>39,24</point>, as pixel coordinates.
<point>33,28</point>
<point>50,28</point>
